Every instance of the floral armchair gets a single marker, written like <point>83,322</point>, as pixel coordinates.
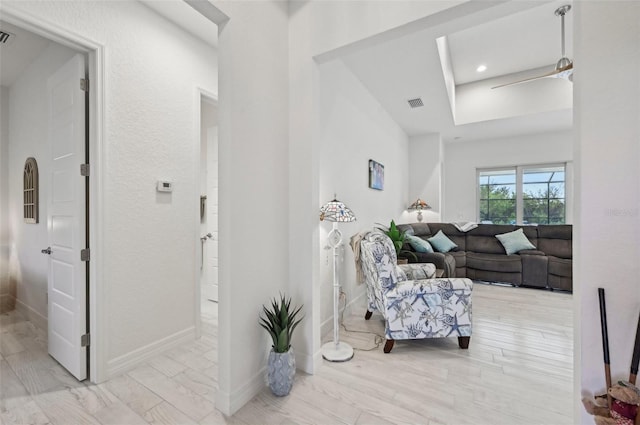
<point>413,309</point>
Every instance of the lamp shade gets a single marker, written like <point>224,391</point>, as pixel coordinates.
<point>419,204</point>
<point>336,211</point>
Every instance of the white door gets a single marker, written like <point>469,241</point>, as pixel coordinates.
<point>66,218</point>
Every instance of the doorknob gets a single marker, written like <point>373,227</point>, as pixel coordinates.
<point>46,251</point>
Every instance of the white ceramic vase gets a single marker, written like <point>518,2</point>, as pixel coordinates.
<point>281,371</point>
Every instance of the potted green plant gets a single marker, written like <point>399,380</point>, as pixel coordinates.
<point>280,321</point>
<point>398,237</point>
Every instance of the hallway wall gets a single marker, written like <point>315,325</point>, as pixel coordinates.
<point>7,292</point>
<point>607,153</point>
<point>147,253</point>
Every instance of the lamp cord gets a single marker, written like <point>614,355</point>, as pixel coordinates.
<point>377,340</point>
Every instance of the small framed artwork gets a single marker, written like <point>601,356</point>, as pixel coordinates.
<point>376,175</point>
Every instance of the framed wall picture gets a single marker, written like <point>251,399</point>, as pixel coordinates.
<point>376,175</point>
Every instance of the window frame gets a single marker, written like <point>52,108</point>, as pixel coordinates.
<point>519,172</point>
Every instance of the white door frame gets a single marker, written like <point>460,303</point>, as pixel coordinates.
<point>211,97</point>
<point>97,157</point>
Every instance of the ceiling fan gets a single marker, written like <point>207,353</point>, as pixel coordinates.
<point>564,66</point>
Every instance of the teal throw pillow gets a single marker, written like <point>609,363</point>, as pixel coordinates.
<point>515,241</point>
<point>419,244</point>
<point>441,242</point>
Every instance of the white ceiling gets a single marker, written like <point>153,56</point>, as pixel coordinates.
<point>524,40</point>
<point>179,12</point>
<point>408,67</point>
<point>27,46</point>
<point>18,54</point>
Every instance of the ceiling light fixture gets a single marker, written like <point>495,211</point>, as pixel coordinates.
<point>481,68</point>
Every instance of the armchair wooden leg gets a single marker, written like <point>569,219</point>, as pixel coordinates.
<point>367,315</point>
<point>388,345</point>
<point>463,342</point>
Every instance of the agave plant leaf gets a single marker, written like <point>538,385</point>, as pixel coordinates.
<point>284,317</point>
<point>280,321</point>
<point>274,337</point>
<point>293,320</point>
<point>291,329</point>
<point>283,342</point>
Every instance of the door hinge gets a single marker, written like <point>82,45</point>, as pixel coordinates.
<point>85,340</point>
<point>85,169</point>
<point>84,84</point>
<point>85,254</point>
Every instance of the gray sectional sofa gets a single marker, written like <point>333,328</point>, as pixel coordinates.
<point>481,256</point>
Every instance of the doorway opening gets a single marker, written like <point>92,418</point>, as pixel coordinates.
<point>48,114</point>
<point>208,217</point>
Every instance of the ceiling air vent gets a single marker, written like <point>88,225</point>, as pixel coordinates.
<point>415,103</point>
<point>6,38</point>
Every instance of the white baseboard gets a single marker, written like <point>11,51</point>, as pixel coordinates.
<point>130,360</point>
<point>36,318</point>
<point>308,363</point>
<point>229,404</point>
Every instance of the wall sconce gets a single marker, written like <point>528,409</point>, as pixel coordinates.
<point>419,205</point>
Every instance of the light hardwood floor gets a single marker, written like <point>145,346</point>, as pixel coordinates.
<point>518,370</point>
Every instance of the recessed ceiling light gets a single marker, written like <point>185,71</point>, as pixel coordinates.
<point>481,68</point>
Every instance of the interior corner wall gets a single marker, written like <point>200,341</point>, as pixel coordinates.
<point>355,129</point>
<point>28,137</point>
<point>607,232</point>
<point>462,159</point>
<point>254,191</point>
<point>7,292</point>
<point>148,247</point>
<point>425,176</point>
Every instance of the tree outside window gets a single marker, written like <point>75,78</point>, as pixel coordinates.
<point>498,196</point>
<point>536,194</point>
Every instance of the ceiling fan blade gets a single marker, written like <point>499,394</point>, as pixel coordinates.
<point>563,72</point>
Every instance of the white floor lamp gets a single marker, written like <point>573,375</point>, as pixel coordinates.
<point>336,211</point>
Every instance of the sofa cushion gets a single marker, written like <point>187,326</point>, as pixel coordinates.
<point>514,241</point>
<point>441,242</point>
<point>418,271</point>
<point>555,231</point>
<point>458,237</point>
<point>534,269</point>
<point>402,276</point>
<point>416,229</point>
<point>483,238</point>
<point>494,262</point>
<point>492,276</point>
<point>560,266</point>
<point>418,244</point>
<point>556,240</point>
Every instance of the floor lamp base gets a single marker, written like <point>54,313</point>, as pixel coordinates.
<point>341,352</point>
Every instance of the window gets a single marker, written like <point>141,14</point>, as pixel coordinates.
<point>30,194</point>
<point>522,195</point>
<point>498,196</point>
<point>543,199</point>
